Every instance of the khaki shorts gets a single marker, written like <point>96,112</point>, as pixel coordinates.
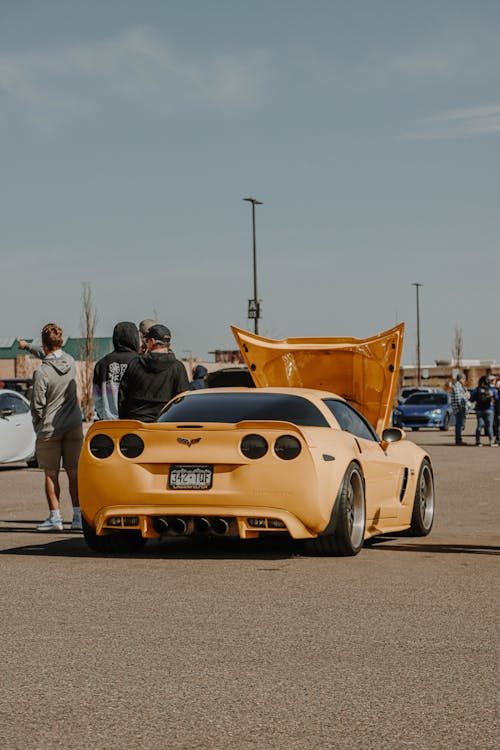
<point>67,446</point>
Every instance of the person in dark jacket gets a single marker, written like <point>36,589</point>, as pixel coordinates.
<point>109,370</point>
<point>198,380</point>
<point>485,398</point>
<point>150,381</point>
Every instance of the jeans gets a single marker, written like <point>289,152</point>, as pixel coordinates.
<point>459,424</point>
<point>496,425</point>
<point>484,418</point>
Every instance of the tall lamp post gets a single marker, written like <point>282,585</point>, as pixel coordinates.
<point>417,287</point>
<point>254,304</point>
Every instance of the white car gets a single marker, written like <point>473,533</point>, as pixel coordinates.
<point>17,436</point>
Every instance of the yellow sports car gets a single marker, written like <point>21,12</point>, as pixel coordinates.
<point>307,452</point>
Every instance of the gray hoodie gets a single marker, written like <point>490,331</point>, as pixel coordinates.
<point>54,402</point>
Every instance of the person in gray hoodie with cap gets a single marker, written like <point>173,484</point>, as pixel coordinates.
<point>57,420</point>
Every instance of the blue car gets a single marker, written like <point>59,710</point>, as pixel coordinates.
<point>424,410</point>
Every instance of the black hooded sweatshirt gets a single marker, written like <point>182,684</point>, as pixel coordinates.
<point>108,372</point>
<point>149,383</point>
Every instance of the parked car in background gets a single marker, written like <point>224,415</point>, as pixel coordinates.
<point>20,385</point>
<point>410,390</point>
<point>229,377</point>
<point>17,436</point>
<point>423,409</point>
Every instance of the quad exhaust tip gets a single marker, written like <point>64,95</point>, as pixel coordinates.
<point>161,525</point>
<point>220,526</point>
<point>178,526</point>
<point>202,525</point>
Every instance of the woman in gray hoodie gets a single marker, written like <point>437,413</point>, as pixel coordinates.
<point>57,421</point>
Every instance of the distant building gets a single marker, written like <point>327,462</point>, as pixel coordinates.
<point>444,371</point>
<point>228,356</point>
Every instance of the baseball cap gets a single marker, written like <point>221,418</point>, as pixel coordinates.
<point>158,332</point>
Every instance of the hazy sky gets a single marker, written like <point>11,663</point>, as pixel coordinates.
<point>131,131</point>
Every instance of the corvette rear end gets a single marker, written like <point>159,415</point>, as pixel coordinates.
<point>225,479</point>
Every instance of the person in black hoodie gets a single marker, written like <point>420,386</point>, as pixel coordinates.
<point>152,380</point>
<point>109,370</point>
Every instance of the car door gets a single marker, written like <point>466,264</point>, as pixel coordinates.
<point>17,438</point>
<point>382,473</point>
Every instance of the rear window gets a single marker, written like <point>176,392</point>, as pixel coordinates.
<point>237,407</point>
<point>427,398</point>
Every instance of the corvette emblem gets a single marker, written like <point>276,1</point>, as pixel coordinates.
<point>189,443</point>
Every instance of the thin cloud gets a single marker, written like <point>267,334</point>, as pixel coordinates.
<point>136,63</point>
<point>458,123</point>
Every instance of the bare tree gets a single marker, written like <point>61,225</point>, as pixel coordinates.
<point>457,350</point>
<point>88,351</point>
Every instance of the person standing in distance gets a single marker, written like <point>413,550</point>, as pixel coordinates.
<point>150,381</point>
<point>458,399</point>
<point>144,327</point>
<point>57,420</point>
<point>484,397</point>
<point>198,381</point>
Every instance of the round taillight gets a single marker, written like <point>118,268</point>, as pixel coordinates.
<point>131,445</point>
<point>287,447</point>
<point>101,446</point>
<point>254,446</point>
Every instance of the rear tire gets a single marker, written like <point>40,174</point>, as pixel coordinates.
<point>422,516</point>
<point>120,542</point>
<point>349,525</point>
<point>32,463</point>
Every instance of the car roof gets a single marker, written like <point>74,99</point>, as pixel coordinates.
<point>311,393</point>
<point>429,393</point>
<point>14,393</point>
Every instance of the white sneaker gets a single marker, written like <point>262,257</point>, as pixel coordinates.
<point>50,525</point>
<point>76,523</point>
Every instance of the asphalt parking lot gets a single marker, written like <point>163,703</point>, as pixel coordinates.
<point>253,645</point>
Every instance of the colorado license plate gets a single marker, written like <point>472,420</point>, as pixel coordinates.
<point>190,477</point>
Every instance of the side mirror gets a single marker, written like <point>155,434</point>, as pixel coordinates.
<point>4,413</point>
<point>392,435</point>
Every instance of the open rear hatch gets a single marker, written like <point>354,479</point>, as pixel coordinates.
<point>363,371</point>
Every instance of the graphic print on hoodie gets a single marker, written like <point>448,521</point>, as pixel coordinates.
<point>109,371</point>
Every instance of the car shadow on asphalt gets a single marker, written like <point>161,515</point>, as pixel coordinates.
<point>175,549</point>
<point>268,548</point>
<point>382,543</point>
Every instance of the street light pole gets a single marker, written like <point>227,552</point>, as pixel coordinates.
<point>417,287</point>
<point>253,305</point>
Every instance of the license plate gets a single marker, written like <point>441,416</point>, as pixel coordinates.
<point>190,477</point>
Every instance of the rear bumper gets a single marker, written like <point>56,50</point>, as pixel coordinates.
<point>146,516</point>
